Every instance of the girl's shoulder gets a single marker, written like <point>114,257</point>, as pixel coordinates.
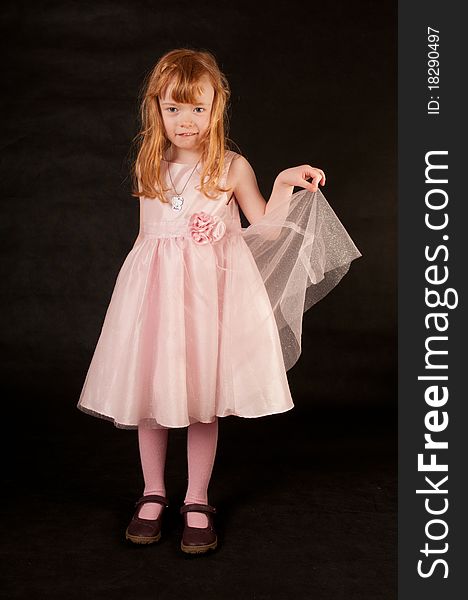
<point>238,164</point>
<point>231,155</point>
<point>235,161</point>
<point>238,169</point>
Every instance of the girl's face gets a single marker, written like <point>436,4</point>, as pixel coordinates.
<point>186,124</point>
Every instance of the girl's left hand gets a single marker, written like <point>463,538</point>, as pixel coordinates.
<point>297,176</point>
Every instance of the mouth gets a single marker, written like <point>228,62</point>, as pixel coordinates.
<point>187,134</point>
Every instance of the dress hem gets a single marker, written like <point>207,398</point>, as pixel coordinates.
<point>119,425</point>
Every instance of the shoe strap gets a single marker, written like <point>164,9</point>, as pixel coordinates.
<point>206,508</point>
<point>152,498</point>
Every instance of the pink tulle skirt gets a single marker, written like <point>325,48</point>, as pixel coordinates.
<point>194,331</point>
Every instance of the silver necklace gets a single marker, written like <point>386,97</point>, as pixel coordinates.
<point>177,201</point>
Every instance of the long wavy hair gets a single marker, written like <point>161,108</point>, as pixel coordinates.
<point>183,68</point>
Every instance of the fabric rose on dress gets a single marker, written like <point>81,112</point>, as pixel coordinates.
<point>205,228</point>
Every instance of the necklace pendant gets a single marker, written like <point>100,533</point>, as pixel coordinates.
<point>177,202</point>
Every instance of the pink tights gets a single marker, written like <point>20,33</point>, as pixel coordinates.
<point>202,440</point>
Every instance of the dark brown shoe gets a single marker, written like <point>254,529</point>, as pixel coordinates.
<point>146,531</point>
<point>197,540</point>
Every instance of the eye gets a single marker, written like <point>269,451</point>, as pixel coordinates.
<point>169,109</point>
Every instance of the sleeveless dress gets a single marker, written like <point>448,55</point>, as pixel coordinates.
<point>206,316</point>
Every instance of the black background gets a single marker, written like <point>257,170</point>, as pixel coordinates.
<point>307,499</point>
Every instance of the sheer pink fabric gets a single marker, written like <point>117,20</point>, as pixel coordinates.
<point>301,253</point>
<point>206,316</point>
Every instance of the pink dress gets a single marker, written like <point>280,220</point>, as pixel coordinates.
<point>206,316</point>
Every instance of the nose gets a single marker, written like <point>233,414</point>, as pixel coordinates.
<point>186,121</point>
<point>187,128</point>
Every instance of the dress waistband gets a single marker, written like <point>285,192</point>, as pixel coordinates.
<point>179,228</point>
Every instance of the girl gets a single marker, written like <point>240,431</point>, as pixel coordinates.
<point>206,316</point>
